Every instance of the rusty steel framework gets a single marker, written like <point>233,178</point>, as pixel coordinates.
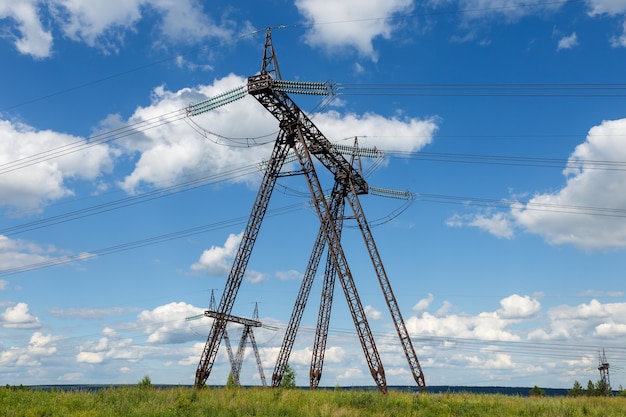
<point>237,360</point>
<point>299,135</point>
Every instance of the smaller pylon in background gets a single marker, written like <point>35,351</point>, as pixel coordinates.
<point>603,367</point>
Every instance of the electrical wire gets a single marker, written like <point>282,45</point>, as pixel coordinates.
<point>617,90</point>
<point>142,242</point>
<point>95,140</point>
<point>560,163</point>
<point>189,185</point>
<point>275,27</point>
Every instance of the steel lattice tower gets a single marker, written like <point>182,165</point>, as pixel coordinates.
<point>300,136</point>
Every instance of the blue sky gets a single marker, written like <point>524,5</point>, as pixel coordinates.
<point>119,215</point>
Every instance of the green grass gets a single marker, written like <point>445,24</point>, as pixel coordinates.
<point>133,401</point>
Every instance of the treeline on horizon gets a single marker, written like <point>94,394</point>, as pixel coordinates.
<point>576,390</point>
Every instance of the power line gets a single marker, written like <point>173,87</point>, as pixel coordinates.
<point>133,200</point>
<point>95,140</point>
<point>485,89</point>
<point>141,243</point>
<point>509,160</point>
<point>291,26</point>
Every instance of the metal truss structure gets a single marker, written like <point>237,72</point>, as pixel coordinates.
<point>237,360</point>
<point>300,136</point>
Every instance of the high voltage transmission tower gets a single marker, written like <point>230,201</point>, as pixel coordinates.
<point>303,139</point>
<point>248,334</point>
<point>603,367</point>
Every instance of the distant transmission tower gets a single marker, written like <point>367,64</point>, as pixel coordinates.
<point>603,367</point>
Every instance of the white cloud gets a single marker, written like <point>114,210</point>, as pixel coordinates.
<point>610,7</point>
<point>3,283</point>
<point>94,22</point>
<point>568,42</point>
<point>105,23</point>
<point>424,303</point>
<point>90,357</point>
<point>216,261</point>
<point>494,325</point>
<point>583,322</point>
<point>33,39</point>
<point>508,10</point>
<point>167,324</point>
<point>19,317</point>
<point>18,255</point>
<point>172,150</point>
<point>561,216</point>
<point>372,313</point>
<point>484,326</point>
<point>255,277</point>
<point>110,347</point>
<point>497,223</point>
<point>620,41</point>
<point>39,346</point>
<point>518,307</point>
<point>43,180</point>
<point>581,212</point>
<point>292,274</point>
<point>404,134</point>
<point>353,23</point>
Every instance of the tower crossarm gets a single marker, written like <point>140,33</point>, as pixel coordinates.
<point>288,114</point>
<point>233,319</point>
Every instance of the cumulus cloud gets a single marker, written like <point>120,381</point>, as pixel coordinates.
<point>104,24</point>
<point>614,7</point>
<point>489,325</point>
<point>167,324</point>
<point>583,321</point>
<point>372,313</point>
<point>581,212</point>
<point>20,255</point>
<point>39,347</point>
<point>497,223</point>
<point>172,150</point>
<point>590,190</point>
<point>217,259</point>
<point>169,151</point>
<point>404,134</point>
<point>33,39</point>
<point>109,347</point>
<point>29,183</point>
<point>424,303</point>
<point>510,12</point>
<point>358,22</point>
<point>518,307</point>
<point>568,42</point>
<point>484,326</point>
<point>18,316</point>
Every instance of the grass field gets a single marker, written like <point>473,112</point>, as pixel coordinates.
<point>134,401</point>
